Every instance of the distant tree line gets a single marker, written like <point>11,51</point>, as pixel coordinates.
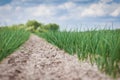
<point>35,26</point>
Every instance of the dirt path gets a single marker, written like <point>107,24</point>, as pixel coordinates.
<point>39,60</point>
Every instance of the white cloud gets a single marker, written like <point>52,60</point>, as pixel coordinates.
<point>18,8</point>
<point>116,12</point>
<point>73,11</point>
<point>101,9</point>
<point>41,11</point>
<point>94,10</point>
<point>5,7</point>
<point>67,5</point>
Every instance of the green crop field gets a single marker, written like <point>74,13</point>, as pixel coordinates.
<point>11,39</point>
<point>101,47</point>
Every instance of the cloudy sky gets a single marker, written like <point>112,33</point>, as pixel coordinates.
<point>66,13</point>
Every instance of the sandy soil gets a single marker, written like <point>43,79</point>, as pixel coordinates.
<point>39,60</point>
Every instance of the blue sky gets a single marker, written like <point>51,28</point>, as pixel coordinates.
<point>72,14</point>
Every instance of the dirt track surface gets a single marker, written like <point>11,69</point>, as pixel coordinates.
<point>39,60</point>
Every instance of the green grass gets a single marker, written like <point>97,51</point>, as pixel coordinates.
<point>101,47</point>
<point>10,39</point>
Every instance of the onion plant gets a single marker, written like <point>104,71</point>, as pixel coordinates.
<point>10,39</point>
<point>101,47</point>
